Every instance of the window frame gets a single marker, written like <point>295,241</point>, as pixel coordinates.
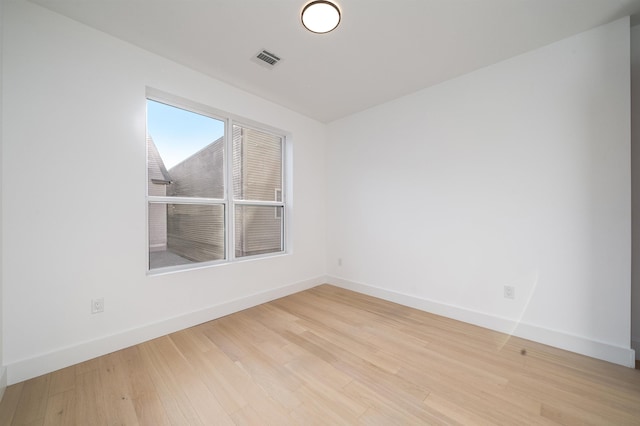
<point>229,202</point>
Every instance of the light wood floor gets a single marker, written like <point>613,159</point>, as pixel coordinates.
<point>330,356</point>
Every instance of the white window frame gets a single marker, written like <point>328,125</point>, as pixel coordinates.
<point>228,201</point>
<point>278,196</point>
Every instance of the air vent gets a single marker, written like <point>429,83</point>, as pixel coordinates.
<point>266,59</point>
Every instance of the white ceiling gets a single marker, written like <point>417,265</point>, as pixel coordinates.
<point>383,49</point>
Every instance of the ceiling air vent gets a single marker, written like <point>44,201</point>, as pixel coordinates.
<point>266,59</point>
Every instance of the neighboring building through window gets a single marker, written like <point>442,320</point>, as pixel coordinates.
<point>194,217</point>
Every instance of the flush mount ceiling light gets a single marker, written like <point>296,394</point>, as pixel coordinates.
<point>320,16</point>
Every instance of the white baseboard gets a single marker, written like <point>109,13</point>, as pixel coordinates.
<point>45,363</point>
<point>558,339</point>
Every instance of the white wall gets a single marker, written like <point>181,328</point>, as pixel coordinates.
<point>635,187</point>
<point>74,197</point>
<point>517,174</point>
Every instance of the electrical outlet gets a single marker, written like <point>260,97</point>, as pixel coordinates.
<point>97,305</point>
<point>509,292</point>
<point>339,261</point>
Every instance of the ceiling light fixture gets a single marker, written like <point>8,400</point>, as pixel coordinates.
<point>320,16</point>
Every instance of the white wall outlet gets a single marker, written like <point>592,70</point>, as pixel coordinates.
<point>97,305</point>
<point>339,261</point>
<point>509,292</point>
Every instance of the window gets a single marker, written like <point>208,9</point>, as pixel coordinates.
<point>211,192</point>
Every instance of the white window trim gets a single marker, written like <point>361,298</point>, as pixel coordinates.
<point>228,201</point>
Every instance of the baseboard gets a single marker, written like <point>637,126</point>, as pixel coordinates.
<point>558,339</point>
<point>45,363</point>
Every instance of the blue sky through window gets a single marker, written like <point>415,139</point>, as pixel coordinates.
<point>177,133</point>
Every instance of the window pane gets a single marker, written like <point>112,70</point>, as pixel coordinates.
<point>258,230</point>
<point>257,165</point>
<point>185,153</point>
<point>181,234</point>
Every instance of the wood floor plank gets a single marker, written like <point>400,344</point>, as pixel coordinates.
<point>62,380</point>
<point>32,406</point>
<point>257,397</point>
<point>90,404</point>
<point>381,409</point>
<point>328,383</point>
<point>9,403</point>
<point>183,376</point>
<point>331,356</point>
<point>87,366</point>
<point>456,413</point>
<point>174,402</point>
<point>61,409</point>
<point>278,382</point>
<point>359,345</point>
<point>247,416</point>
<point>326,404</point>
<point>146,401</point>
<point>229,397</point>
<point>114,376</point>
